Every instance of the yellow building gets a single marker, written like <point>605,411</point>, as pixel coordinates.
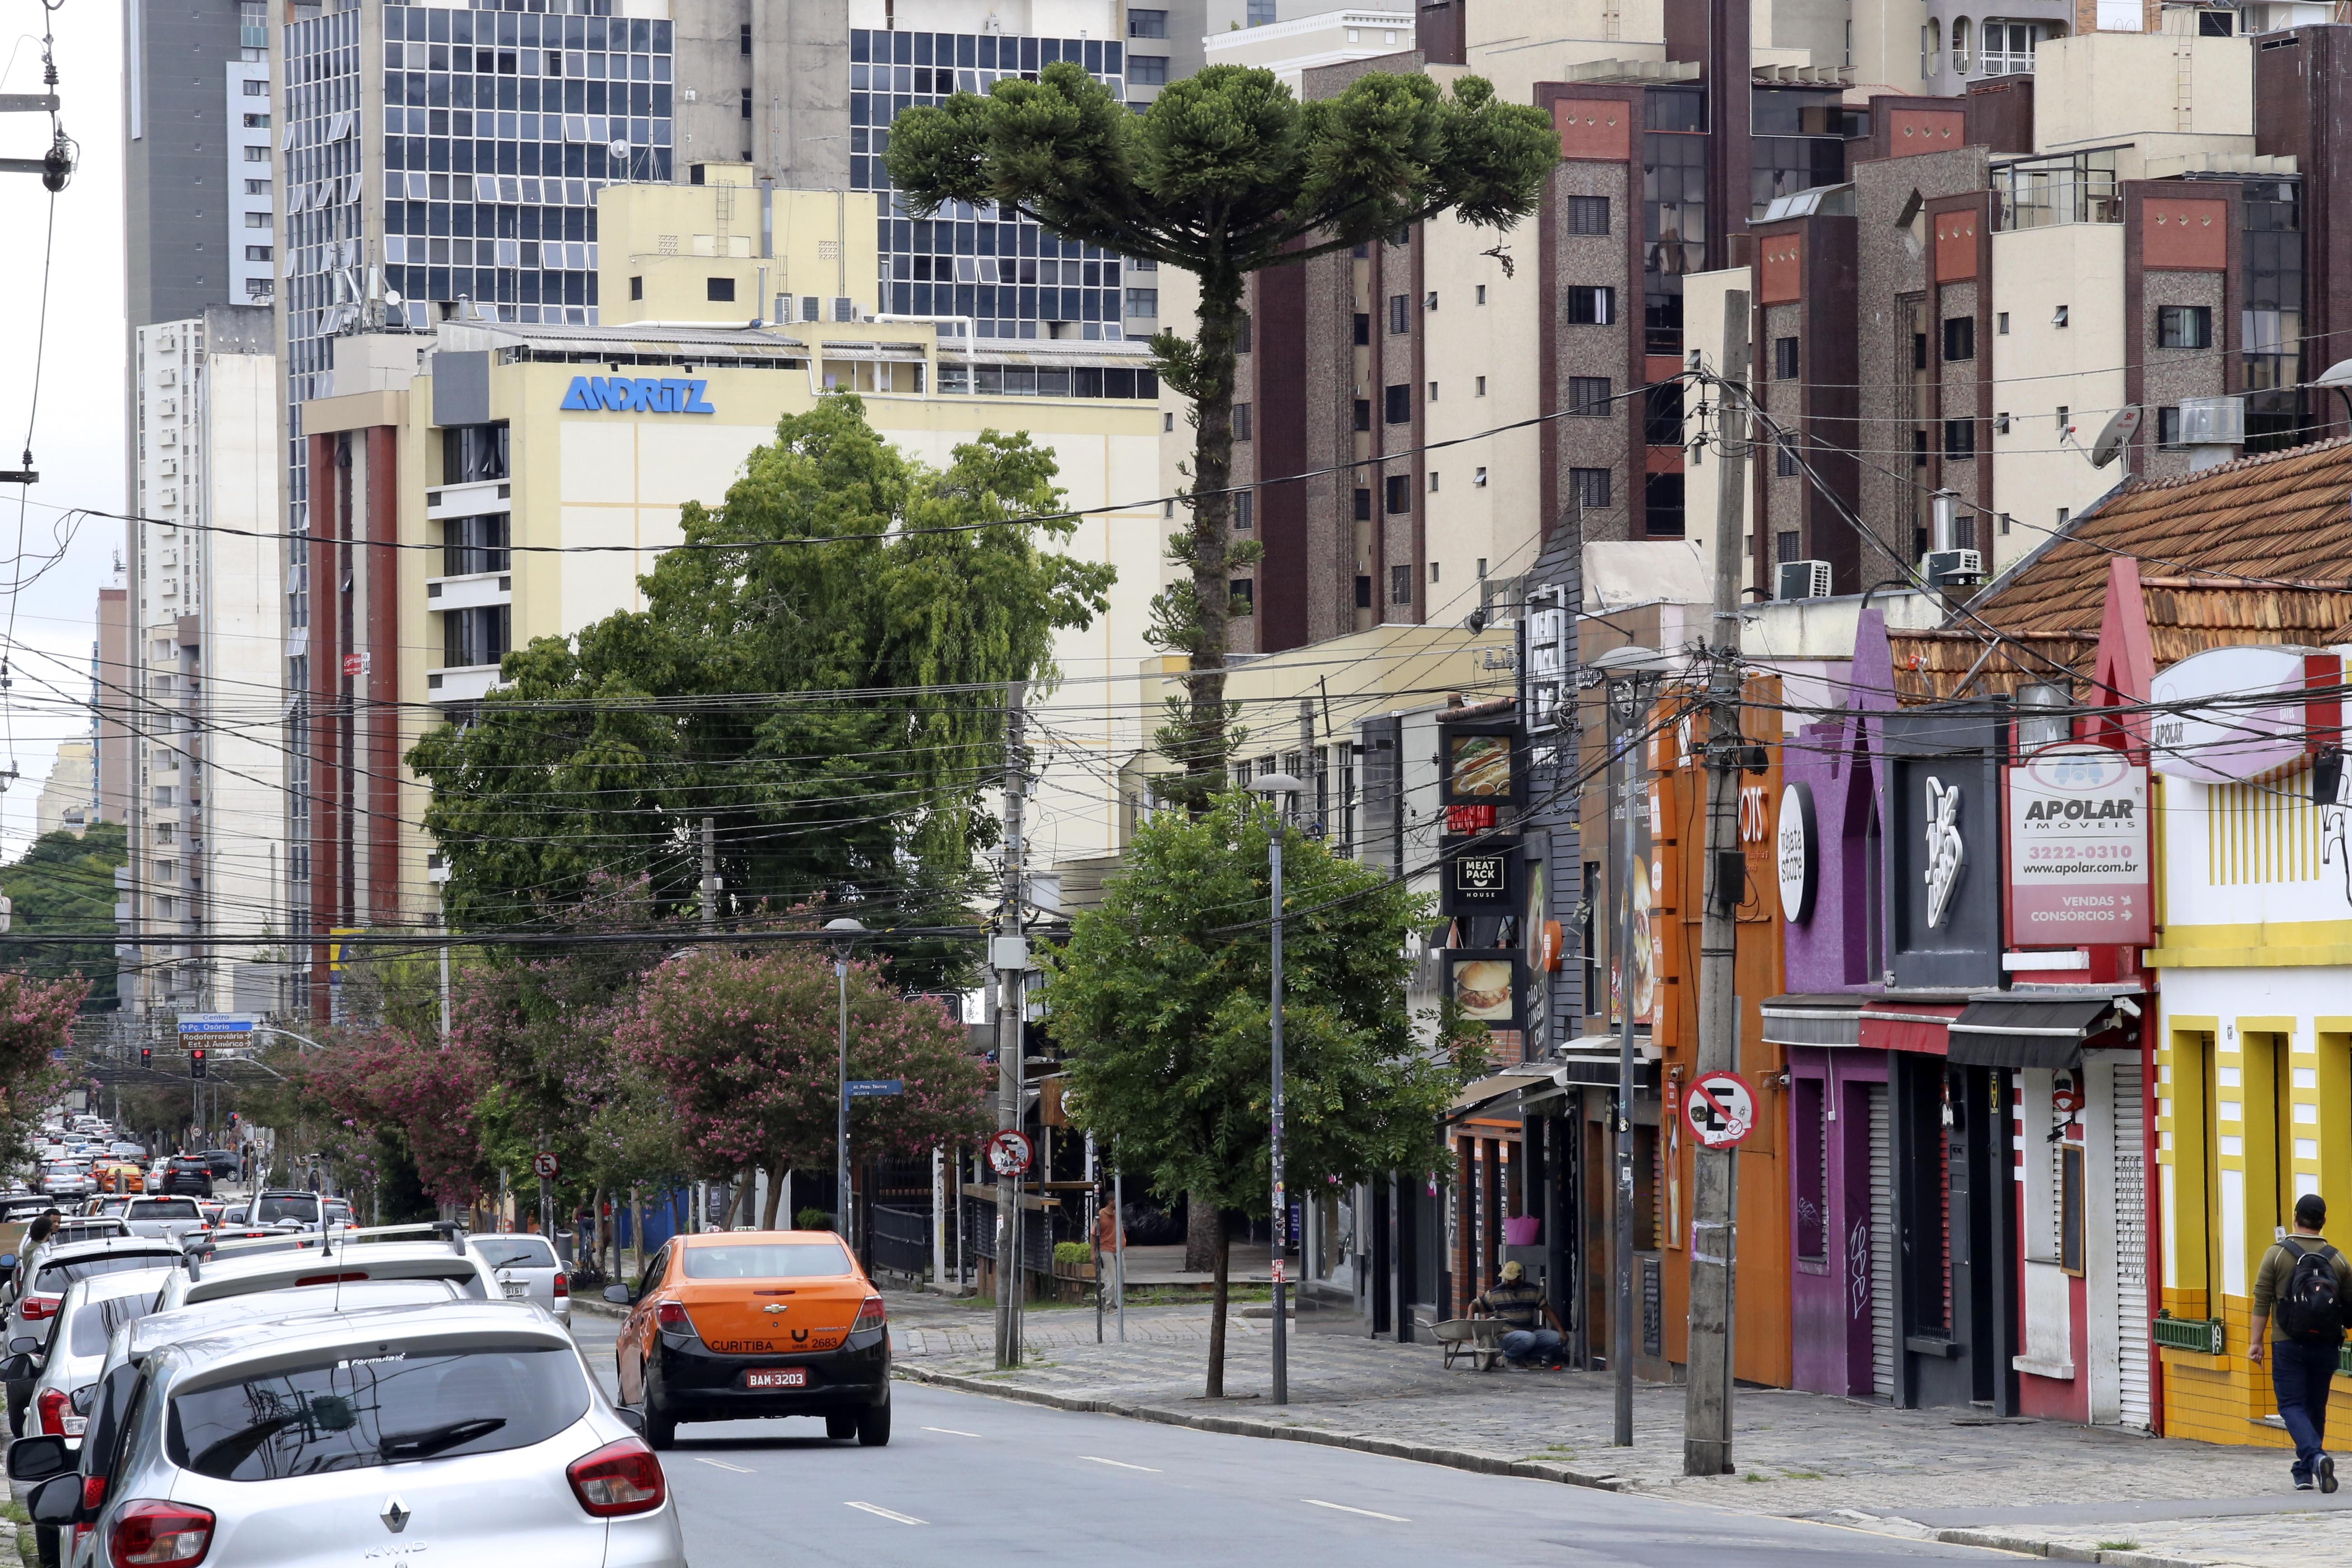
<point>467,444</point>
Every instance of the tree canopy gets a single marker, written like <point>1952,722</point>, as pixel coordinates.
<point>1225,175</point>
<point>835,707</point>
<point>65,882</point>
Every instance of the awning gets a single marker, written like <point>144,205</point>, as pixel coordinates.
<point>2030,1033</point>
<point>1497,1094</point>
<point>1898,1023</point>
<point>1812,1020</point>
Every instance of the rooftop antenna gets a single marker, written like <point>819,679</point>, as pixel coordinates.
<point>2114,437</point>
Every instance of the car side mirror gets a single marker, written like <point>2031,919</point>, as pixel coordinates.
<point>620,1295</point>
<point>37,1458</point>
<point>19,1369</point>
<point>57,1501</point>
<point>25,1345</point>
<point>7,1261</point>
<point>83,1398</point>
<point>635,1420</point>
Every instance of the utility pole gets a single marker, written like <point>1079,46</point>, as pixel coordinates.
<point>710,875</point>
<point>1310,768</point>
<point>1012,960</point>
<point>1707,1410</point>
<point>1627,712</point>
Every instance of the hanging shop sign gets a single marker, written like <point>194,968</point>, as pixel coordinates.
<point>2078,862</point>
<point>2230,714</point>
<point>1481,763</point>
<point>1797,853</point>
<point>1485,983</point>
<point>1481,873</point>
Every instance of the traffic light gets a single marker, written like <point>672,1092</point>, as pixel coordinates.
<point>196,1061</point>
<point>146,1055</point>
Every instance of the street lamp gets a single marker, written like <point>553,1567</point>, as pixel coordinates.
<point>846,941</point>
<point>1270,785</point>
<point>1631,671</point>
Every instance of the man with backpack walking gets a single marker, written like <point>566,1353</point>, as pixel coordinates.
<point>2309,1284</point>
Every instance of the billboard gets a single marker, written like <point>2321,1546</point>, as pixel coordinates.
<point>2078,868</point>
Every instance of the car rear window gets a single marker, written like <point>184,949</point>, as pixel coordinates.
<point>274,1211</point>
<point>767,1260</point>
<point>165,1208</point>
<point>55,1277</point>
<point>93,1327</point>
<point>514,1251</point>
<point>356,1413</point>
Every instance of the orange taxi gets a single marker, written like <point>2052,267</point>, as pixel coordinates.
<point>746,1325</point>
<point>120,1177</point>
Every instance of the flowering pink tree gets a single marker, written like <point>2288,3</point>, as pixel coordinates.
<point>426,1093</point>
<point>36,1023</point>
<point>749,1049</point>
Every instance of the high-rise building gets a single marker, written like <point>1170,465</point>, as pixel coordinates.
<point>64,798</point>
<point>196,180</point>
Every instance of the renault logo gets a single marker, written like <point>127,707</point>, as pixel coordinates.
<point>396,1517</point>
<point>773,1308</point>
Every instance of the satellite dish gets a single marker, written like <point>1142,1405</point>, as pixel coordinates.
<point>2338,374</point>
<point>619,149</point>
<point>392,297</point>
<point>2114,436</point>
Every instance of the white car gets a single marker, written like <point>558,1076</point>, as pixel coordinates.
<point>526,1271</point>
<point>162,1217</point>
<point>79,1332</point>
<point>464,1433</point>
<point>298,1259</point>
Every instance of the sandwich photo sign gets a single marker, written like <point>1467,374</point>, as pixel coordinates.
<point>1485,983</point>
<point>1482,762</point>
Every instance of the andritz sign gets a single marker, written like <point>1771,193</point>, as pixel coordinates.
<point>641,394</point>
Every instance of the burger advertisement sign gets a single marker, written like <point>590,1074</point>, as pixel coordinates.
<point>2078,868</point>
<point>1485,983</point>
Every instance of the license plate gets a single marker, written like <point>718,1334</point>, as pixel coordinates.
<point>777,1377</point>
<point>515,1287</point>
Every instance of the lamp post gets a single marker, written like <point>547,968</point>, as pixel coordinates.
<point>846,941</point>
<point>1632,673</point>
<point>1270,785</point>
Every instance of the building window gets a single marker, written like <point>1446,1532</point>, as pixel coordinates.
<point>1400,313</point>
<point>1147,70</point>
<point>1589,487</point>
<point>475,637</point>
<point>1400,494</point>
<point>1147,23</point>
<point>1960,46</point>
<point>2215,25</point>
<point>1808,1130</point>
<point>1591,306</point>
<point>1243,330</point>
<point>257,86</point>
<point>1363,414</point>
<point>1481,389</point>
<point>1587,395</point>
<point>1662,415</point>
<point>1400,585</point>
<point>719,289</point>
<point>2184,326</point>
<point>1364,329</point>
<point>1432,392</point>
<point>2167,428</point>
<point>1784,359</point>
<point>1363,592</point>
<point>1662,499</point>
<point>637,288</point>
<point>256,123</point>
<point>1399,403</point>
<point>256,220</point>
<point>1959,338</point>
<point>1482,294</point>
<point>257,253</point>
<point>1429,300</point>
<point>744,39</point>
<point>257,154</point>
<point>1241,421</point>
<point>1959,440</point>
<point>1784,458</point>
<point>472,544</point>
<point>1143,301</point>
<point>1245,511</point>
<point>1244,591</point>
<point>1363,505</point>
<point>1588,214</point>
<point>1432,481</point>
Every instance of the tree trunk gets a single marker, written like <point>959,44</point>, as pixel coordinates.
<point>775,1197</point>
<point>1203,1225</point>
<point>1216,1389</point>
<point>637,1224</point>
<point>1190,618</point>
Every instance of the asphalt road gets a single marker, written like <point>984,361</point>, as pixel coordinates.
<point>978,1480</point>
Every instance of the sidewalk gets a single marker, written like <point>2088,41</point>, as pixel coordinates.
<point>2043,1488</point>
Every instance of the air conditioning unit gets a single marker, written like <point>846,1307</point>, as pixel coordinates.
<point>812,307</point>
<point>2212,421</point>
<point>1804,580</point>
<point>844,308</point>
<point>1943,568</point>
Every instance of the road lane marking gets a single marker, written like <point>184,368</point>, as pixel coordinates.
<point>951,1431</point>
<point>884,1513</point>
<point>723,1465</point>
<point>1121,1464</point>
<point>1343,1508</point>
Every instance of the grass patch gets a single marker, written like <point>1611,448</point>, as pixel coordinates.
<point>2119,1546</point>
<point>1804,1475</point>
<point>1753,1478</point>
<point>14,1513</point>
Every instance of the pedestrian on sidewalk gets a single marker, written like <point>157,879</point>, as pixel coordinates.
<point>1521,1305</point>
<point>2309,1284</point>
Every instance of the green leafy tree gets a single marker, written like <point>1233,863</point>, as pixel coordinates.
<point>65,882</point>
<point>1161,1000</point>
<point>1225,174</point>
<point>834,708</point>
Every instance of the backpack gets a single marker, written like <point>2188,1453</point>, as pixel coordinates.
<point>2309,1308</point>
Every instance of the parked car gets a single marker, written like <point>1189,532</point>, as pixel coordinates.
<point>296,1208</point>
<point>754,1324</point>
<point>526,1271</point>
<point>278,1260</point>
<point>224,1162</point>
<point>488,1435</point>
<point>79,1332</point>
<point>185,1173</point>
<point>163,1216</point>
<point>55,1266</point>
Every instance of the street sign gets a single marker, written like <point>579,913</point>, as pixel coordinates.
<point>1010,1152</point>
<point>218,1022</point>
<point>543,1165</point>
<point>868,1088</point>
<point>1720,1110</point>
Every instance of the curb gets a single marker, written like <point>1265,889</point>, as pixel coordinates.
<point>1451,1459</point>
<point>2028,1547</point>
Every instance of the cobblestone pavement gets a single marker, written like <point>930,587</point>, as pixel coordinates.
<point>2049,1487</point>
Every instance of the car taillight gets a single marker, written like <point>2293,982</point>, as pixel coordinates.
<point>618,1478</point>
<point>93,1493</point>
<point>40,1306</point>
<point>150,1535</point>
<point>670,1318</point>
<point>54,1407</point>
<point>562,1285</point>
<point>869,1316</point>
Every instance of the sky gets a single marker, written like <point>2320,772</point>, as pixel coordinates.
<point>77,428</point>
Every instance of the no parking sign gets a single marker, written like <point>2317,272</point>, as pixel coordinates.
<point>1720,1110</point>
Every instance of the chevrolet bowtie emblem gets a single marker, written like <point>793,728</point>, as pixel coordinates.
<point>774,1307</point>
<point>395,1518</point>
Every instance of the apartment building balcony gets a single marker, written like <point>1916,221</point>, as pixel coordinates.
<point>2065,187</point>
<point>461,683</point>
<point>470,591</point>
<point>475,499</point>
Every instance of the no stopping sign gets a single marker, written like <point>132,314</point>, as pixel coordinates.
<point>1720,1110</point>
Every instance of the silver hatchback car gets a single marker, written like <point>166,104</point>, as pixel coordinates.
<point>460,1433</point>
<point>526,1271</point>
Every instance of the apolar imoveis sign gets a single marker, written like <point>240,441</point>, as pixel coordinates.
<point>2078,867</point>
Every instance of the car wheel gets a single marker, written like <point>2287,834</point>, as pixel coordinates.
<point>874,1425</point>
<point>661,1428</point>
<point>840,1424</point>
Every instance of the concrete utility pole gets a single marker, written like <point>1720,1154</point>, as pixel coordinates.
<point>709,874</point>
<point>1628,744</point>
<point>1012,960</point>
<point>1707,1410</point>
